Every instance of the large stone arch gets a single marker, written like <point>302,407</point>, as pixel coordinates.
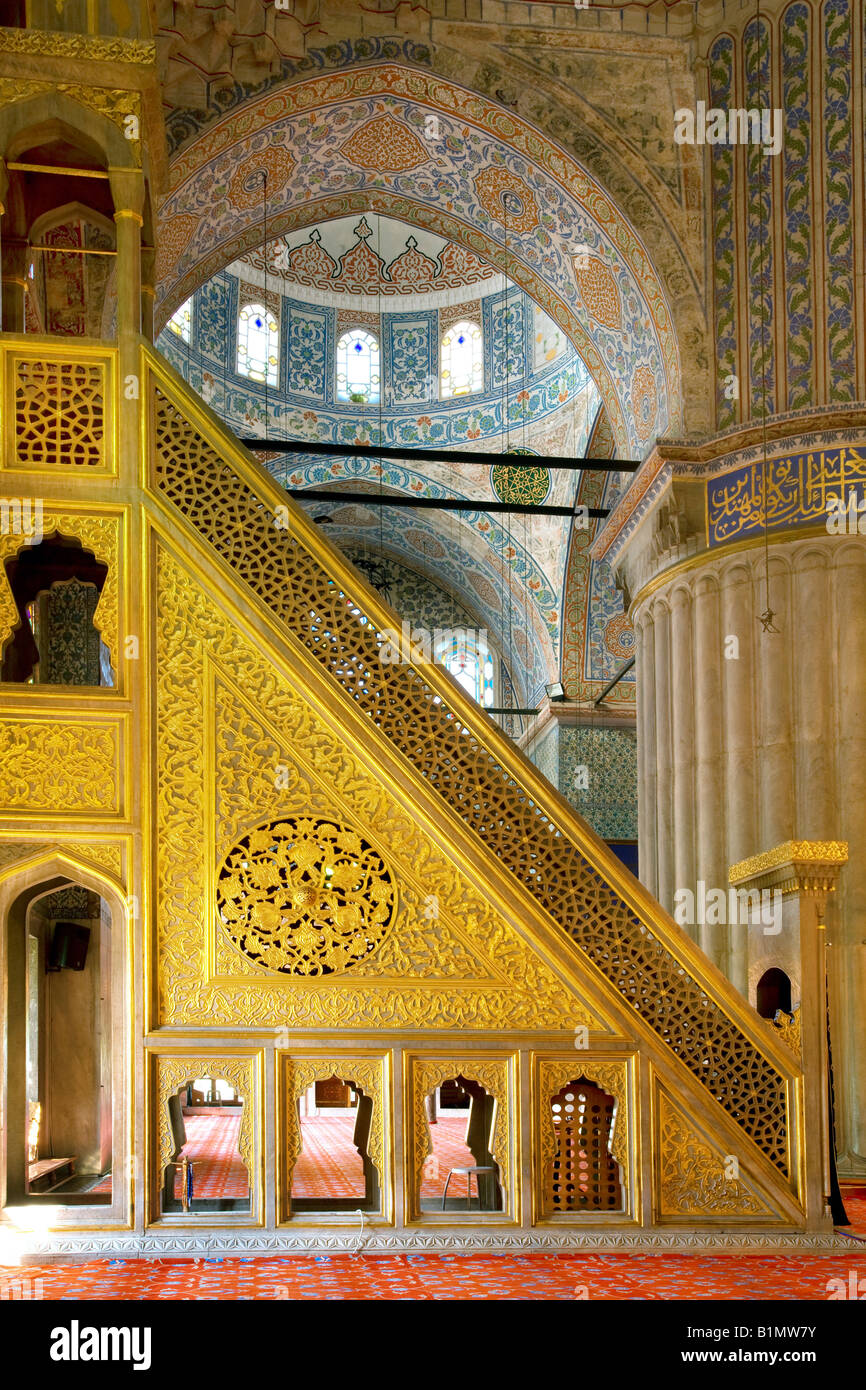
<point>419,147</point>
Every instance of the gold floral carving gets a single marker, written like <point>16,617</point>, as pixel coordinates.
<point>598,290</point>
<point>105,856</point>
<point>813,866</point>
<point>430,1072</point>
<point>789,1027</point>
<point>305,896</point>
<point>792,851</point>
<point>54,44</point>
<point>174,1072</point>
<point>98,534</point>
<point>46,765</point>
<point>365,1072</point>
<point>612,1077</point>
<point>692,1179</point>
<point>385,145</point>
<point>449,960</point>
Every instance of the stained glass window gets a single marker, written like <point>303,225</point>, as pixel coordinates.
<point>466,655</point>
<point>181,321</point>
<point>462,361</point>
<point>258,344</point>
<point>358,377</point>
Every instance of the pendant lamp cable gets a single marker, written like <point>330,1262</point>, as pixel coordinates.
<point>267,307</point>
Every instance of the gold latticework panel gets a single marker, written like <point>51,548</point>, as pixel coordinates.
<point>554,1073</point>
<point>174,1072</point>
<point>306,897</point>
<point>334,627</point>
<point>692,1178</point>
<point>60,412</point>
<point>364,1072</point>
<point>98,534</point>
<point>489,1072</point>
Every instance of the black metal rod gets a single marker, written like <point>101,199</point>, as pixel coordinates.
<point>508,711</point>
<point>616,680</point>
<point>444,504</point>
<point>434,455</point>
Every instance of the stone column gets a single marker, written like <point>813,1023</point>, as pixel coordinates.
<point>709,772</point>
<point>738,674</point>
<point>683,738</point>
<point>847,920</point>
<point>774,680</point>
<point>664,769</point>
<point>646,709</point>
<point>805,873</point>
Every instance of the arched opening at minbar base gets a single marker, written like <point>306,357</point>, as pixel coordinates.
<point>334,1170</point>
<point>460,1173</point>
<point>206,1172</point>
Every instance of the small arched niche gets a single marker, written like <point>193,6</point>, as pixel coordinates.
<point>206,1170</point>
<point>56,585</point>
<point>334,1170</point>
<point>460,1173</point>
<point>773,993</point>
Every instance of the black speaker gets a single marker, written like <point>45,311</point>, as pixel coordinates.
<point>68,949</point>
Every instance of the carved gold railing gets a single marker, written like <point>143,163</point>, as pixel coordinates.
<point>232,504</point>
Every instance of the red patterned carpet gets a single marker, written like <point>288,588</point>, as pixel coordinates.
<point>563,1278</point>
<point>329,1164</point>
<point>212,1144</point>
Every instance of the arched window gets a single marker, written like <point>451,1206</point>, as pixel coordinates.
<point>258,344</point>
<point>461,369</point>
<point>466,655</point>
<point>181,321</point>
<point>358,376</point>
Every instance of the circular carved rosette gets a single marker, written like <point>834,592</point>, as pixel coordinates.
<point>305,897</point>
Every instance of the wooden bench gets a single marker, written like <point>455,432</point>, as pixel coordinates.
<point>48,1172</point>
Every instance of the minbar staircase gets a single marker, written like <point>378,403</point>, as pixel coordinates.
<point>231,501</point>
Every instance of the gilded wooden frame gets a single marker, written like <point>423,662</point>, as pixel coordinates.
<point>496,1073</point>
<point>295,1073</point>
<point>61,352</point>
<point>616,1076</point>
<point>168,1073</point>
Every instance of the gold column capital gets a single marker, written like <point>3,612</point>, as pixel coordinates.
<point>797,866</point>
